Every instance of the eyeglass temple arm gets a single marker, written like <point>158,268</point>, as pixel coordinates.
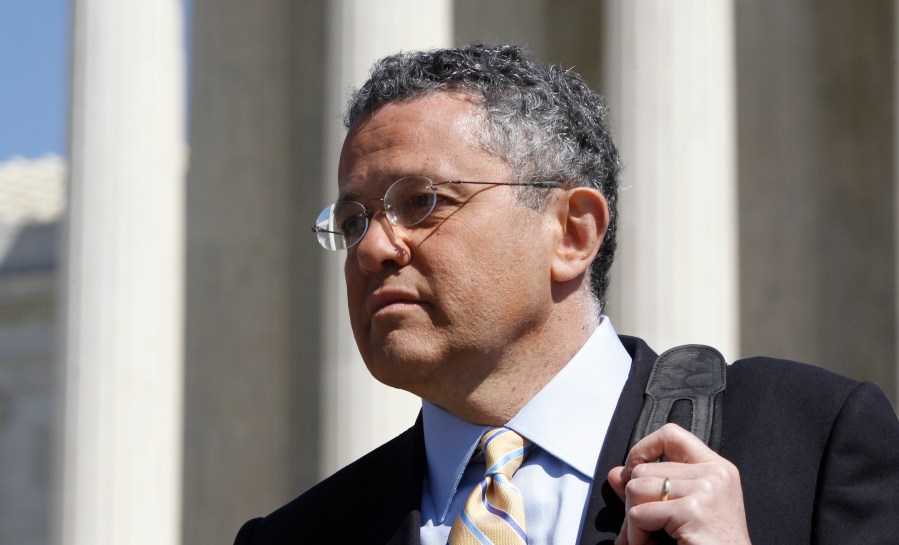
<point>317,229</point>
<point>545,183</point>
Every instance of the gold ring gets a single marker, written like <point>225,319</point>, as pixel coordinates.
<point>666,487</point>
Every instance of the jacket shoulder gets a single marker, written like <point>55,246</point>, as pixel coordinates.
<point>386,483</point>
<point>803,437</point>
<point>779,402</point>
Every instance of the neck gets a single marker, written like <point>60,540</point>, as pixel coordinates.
<point>521,371</point>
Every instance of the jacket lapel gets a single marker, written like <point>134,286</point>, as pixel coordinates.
<point>605,512</point>
<point>402,519</point>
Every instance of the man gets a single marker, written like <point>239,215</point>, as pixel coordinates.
<point>477,206</point>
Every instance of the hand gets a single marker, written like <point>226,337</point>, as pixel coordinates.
<point>705,499</point>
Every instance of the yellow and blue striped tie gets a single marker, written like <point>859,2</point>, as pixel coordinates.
<point>494,512</point>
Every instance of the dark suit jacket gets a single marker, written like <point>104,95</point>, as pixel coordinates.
<point>818,456</point>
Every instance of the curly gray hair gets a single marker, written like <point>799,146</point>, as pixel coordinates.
<point>544,121</point>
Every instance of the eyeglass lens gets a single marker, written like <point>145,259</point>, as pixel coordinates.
<point>407,202</point>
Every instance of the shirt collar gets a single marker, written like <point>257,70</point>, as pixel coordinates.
<point>568,418</point>
<point>450,443</point>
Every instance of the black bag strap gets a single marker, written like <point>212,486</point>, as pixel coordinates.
<point>686,387</point>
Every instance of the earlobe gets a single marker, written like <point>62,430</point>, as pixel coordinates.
<point>583,220</point>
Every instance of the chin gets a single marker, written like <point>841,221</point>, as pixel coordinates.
<point>400,366</point>
<point>398,376</point>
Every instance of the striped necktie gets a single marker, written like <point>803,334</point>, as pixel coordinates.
<point>494,512</point>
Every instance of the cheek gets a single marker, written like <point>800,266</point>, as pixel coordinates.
<point>355,291</point>
<point>519,269</point>
<point>492,274</point>
<point>350,277</point>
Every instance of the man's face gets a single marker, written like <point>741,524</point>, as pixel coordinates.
<point>436,307</point>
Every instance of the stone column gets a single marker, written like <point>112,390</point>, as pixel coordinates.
<point>562,32</point>
<point>122,278</point>
<point>277,396</point>
<point>358,412</point>
<point>669,72</point>
<point>896,201</point>
<point>528,22</point>
<point>251,344</point>
<point>818,212</point>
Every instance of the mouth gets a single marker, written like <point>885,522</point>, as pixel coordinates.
<point>389,301</point>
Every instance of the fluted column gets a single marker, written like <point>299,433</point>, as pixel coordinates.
<point>817,167</point>
<point>122,287</point>
<point>251,347</point>
<point>895,366</point>
<point>358,412</point>
<point>669,68</point>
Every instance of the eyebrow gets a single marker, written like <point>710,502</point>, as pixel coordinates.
<point>348,197</point>
<point>355,191</point>
<point>351,195</point>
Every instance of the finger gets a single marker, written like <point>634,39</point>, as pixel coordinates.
<point>636,534</point>
<point>674,470</point>
<point>621,539</point>
<point>652,517</point>
<point>640,491</point>
<point>672,441</point>
<point>616,482</point>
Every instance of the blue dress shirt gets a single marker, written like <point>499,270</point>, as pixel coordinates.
<point>567,421</point>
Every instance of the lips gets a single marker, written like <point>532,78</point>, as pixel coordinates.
<point>389,298</point>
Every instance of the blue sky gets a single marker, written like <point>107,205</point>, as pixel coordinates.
<point>34,77</point>
<point>35,44</point>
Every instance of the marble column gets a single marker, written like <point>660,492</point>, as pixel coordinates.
<point>121,361</point>
<point>358,412</point>
<point>563,32</point>
<point>669,76</point>
<point>251,342</point>
<point>817,167</point>
<point>277,396</point>
<point>896,201</point>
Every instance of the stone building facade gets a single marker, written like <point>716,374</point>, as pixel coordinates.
<point>32,200</point>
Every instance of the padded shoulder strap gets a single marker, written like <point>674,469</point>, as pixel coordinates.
<point>686,387</point>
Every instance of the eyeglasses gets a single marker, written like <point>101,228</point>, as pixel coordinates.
<point>409,201</point>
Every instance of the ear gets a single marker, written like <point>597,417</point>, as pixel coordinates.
<point>583,218</point>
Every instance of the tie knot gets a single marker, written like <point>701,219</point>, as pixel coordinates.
<point>504,451</point>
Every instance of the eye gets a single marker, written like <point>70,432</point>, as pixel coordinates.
<point>409,200</point>
<point>411,206</point>
<point>418,203</point>
<point>353,225</point>
<point>443,202</point>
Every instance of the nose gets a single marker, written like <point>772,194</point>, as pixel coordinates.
<point>382,246</point>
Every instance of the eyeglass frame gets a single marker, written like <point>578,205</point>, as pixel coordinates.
<point>369,215</point>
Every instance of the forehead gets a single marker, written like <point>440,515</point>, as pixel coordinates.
<point>433,135</point>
